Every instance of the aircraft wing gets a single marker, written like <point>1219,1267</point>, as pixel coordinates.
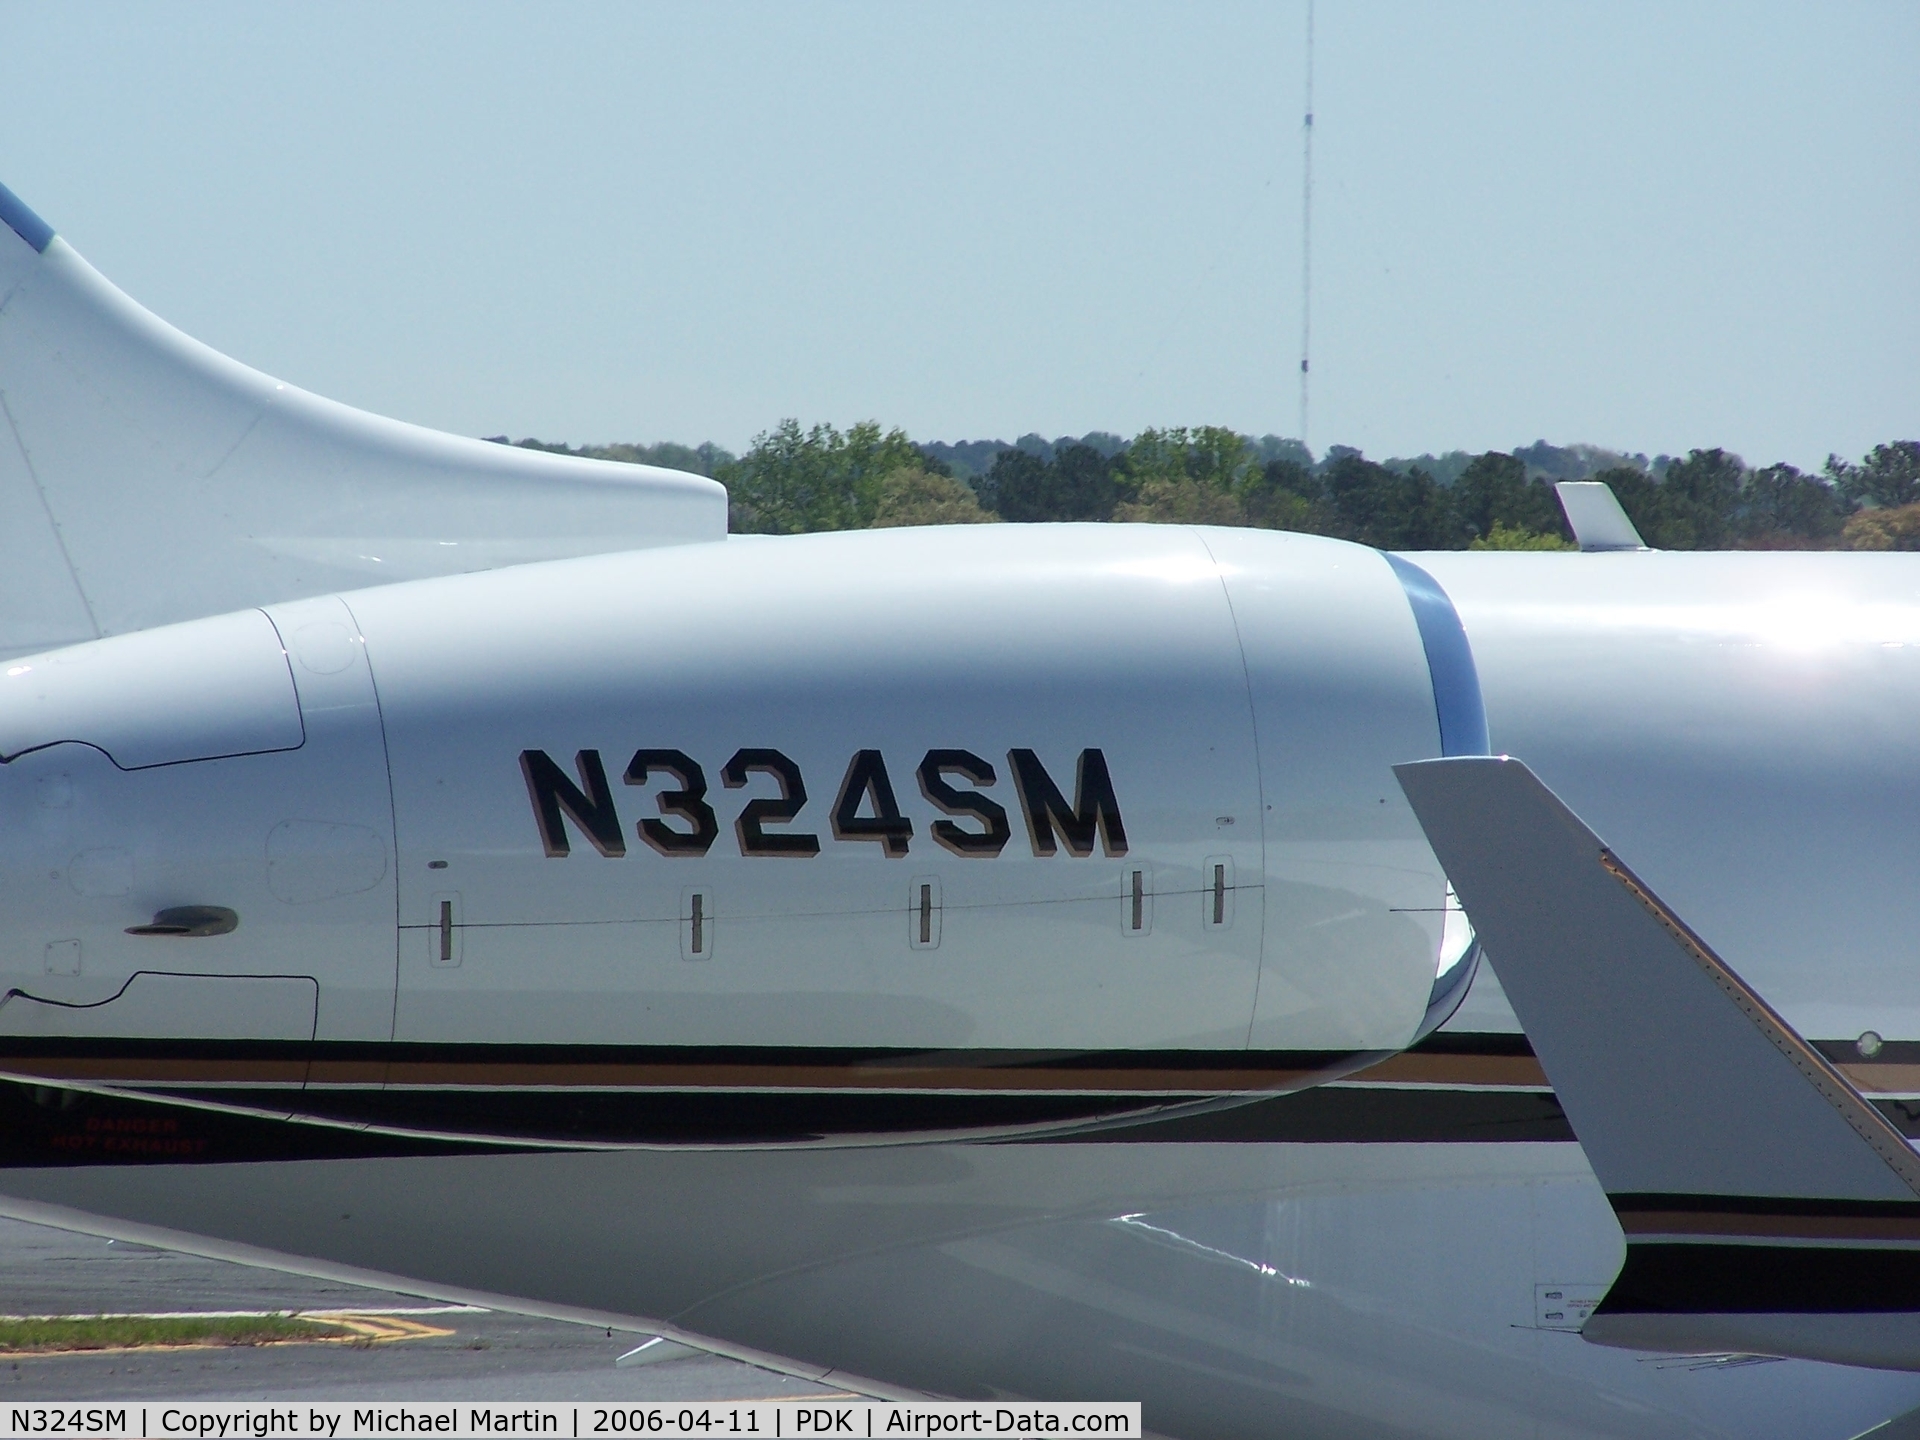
<point>658,1340</point>
<point>145,478</point>
<point>1768,1208</point>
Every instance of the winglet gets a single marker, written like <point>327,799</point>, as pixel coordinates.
<point>1595,517</point>
<point>1768,1207</point>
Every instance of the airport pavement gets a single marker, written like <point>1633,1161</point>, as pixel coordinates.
<point>486,1355</point>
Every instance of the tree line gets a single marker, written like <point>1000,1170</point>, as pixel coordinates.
<point>793,480</point>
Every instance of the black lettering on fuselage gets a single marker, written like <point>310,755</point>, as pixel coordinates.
<point>555,796</point>
<point>688,802</point>
<point>757,814</point>
<point>1094,807</point>
<point>867,781</point>
<point>984,843</point>
<point>1092,818</point>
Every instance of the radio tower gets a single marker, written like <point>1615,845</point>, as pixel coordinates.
<point>1306,232</point>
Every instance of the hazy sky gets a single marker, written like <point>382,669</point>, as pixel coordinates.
<point>1647,226</point>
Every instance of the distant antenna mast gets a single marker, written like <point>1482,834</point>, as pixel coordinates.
<point>1306,232</point>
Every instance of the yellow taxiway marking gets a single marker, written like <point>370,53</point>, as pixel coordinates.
<point>373,1329</point>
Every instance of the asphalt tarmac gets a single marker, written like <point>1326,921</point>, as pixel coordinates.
<point>483,1355</point>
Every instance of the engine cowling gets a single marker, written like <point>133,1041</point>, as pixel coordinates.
<point>1033,821</point>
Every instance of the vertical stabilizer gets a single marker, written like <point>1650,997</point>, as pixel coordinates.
<point>145,478</point>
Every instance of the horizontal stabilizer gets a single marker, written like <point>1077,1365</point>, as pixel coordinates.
<point>1768,1207</point>
<point>145,478</point>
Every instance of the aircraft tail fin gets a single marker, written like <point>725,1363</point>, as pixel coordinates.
<point>146,478</point>
<point>1768,1207</point>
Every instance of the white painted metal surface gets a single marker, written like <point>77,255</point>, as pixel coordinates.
<point>195,691</point>
<point>1743,724</point>
<point>1056,640</point>
<point>145,478</point>
<point>298,842</point>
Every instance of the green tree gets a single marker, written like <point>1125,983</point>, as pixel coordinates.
<point>1287,495</point>
<point>1388,508</point>
<point>1888,476</point>
<point>1083,487</point>
<point>1500,537</point>
<point>1494,492</point>
<point>1699,501</point>
<point>1018,486</point>
<point>1181,500</point>
<point>1638,495</point>
<point>1711,501</point>
<point>912,496</point>
<point>792,481</point>
<point>1211,454</point>
<point>1153,455</point>
<point>706,459</point>
<point>1784,508</point>
<point>1694,506</point>
<point>1076,484</point>
<point>1183,476</point>
<point>1895,527</point>
<point>1884,528</point>
<point>1222,459</point>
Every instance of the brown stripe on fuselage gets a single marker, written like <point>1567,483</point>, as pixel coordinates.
<point>1898,1079</point>
<point>347,1072</point>
<point>160,1069</point>
<point>1643,1224</point>
<point>1423,1067</point>
<point>1414,1067</point>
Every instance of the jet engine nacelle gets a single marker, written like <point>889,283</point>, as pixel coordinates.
<point>1111,806</point>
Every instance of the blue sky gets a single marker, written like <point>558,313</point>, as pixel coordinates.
<point>1651,226</point>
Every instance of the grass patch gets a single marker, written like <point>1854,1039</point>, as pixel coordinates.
<point>34,1335</point>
